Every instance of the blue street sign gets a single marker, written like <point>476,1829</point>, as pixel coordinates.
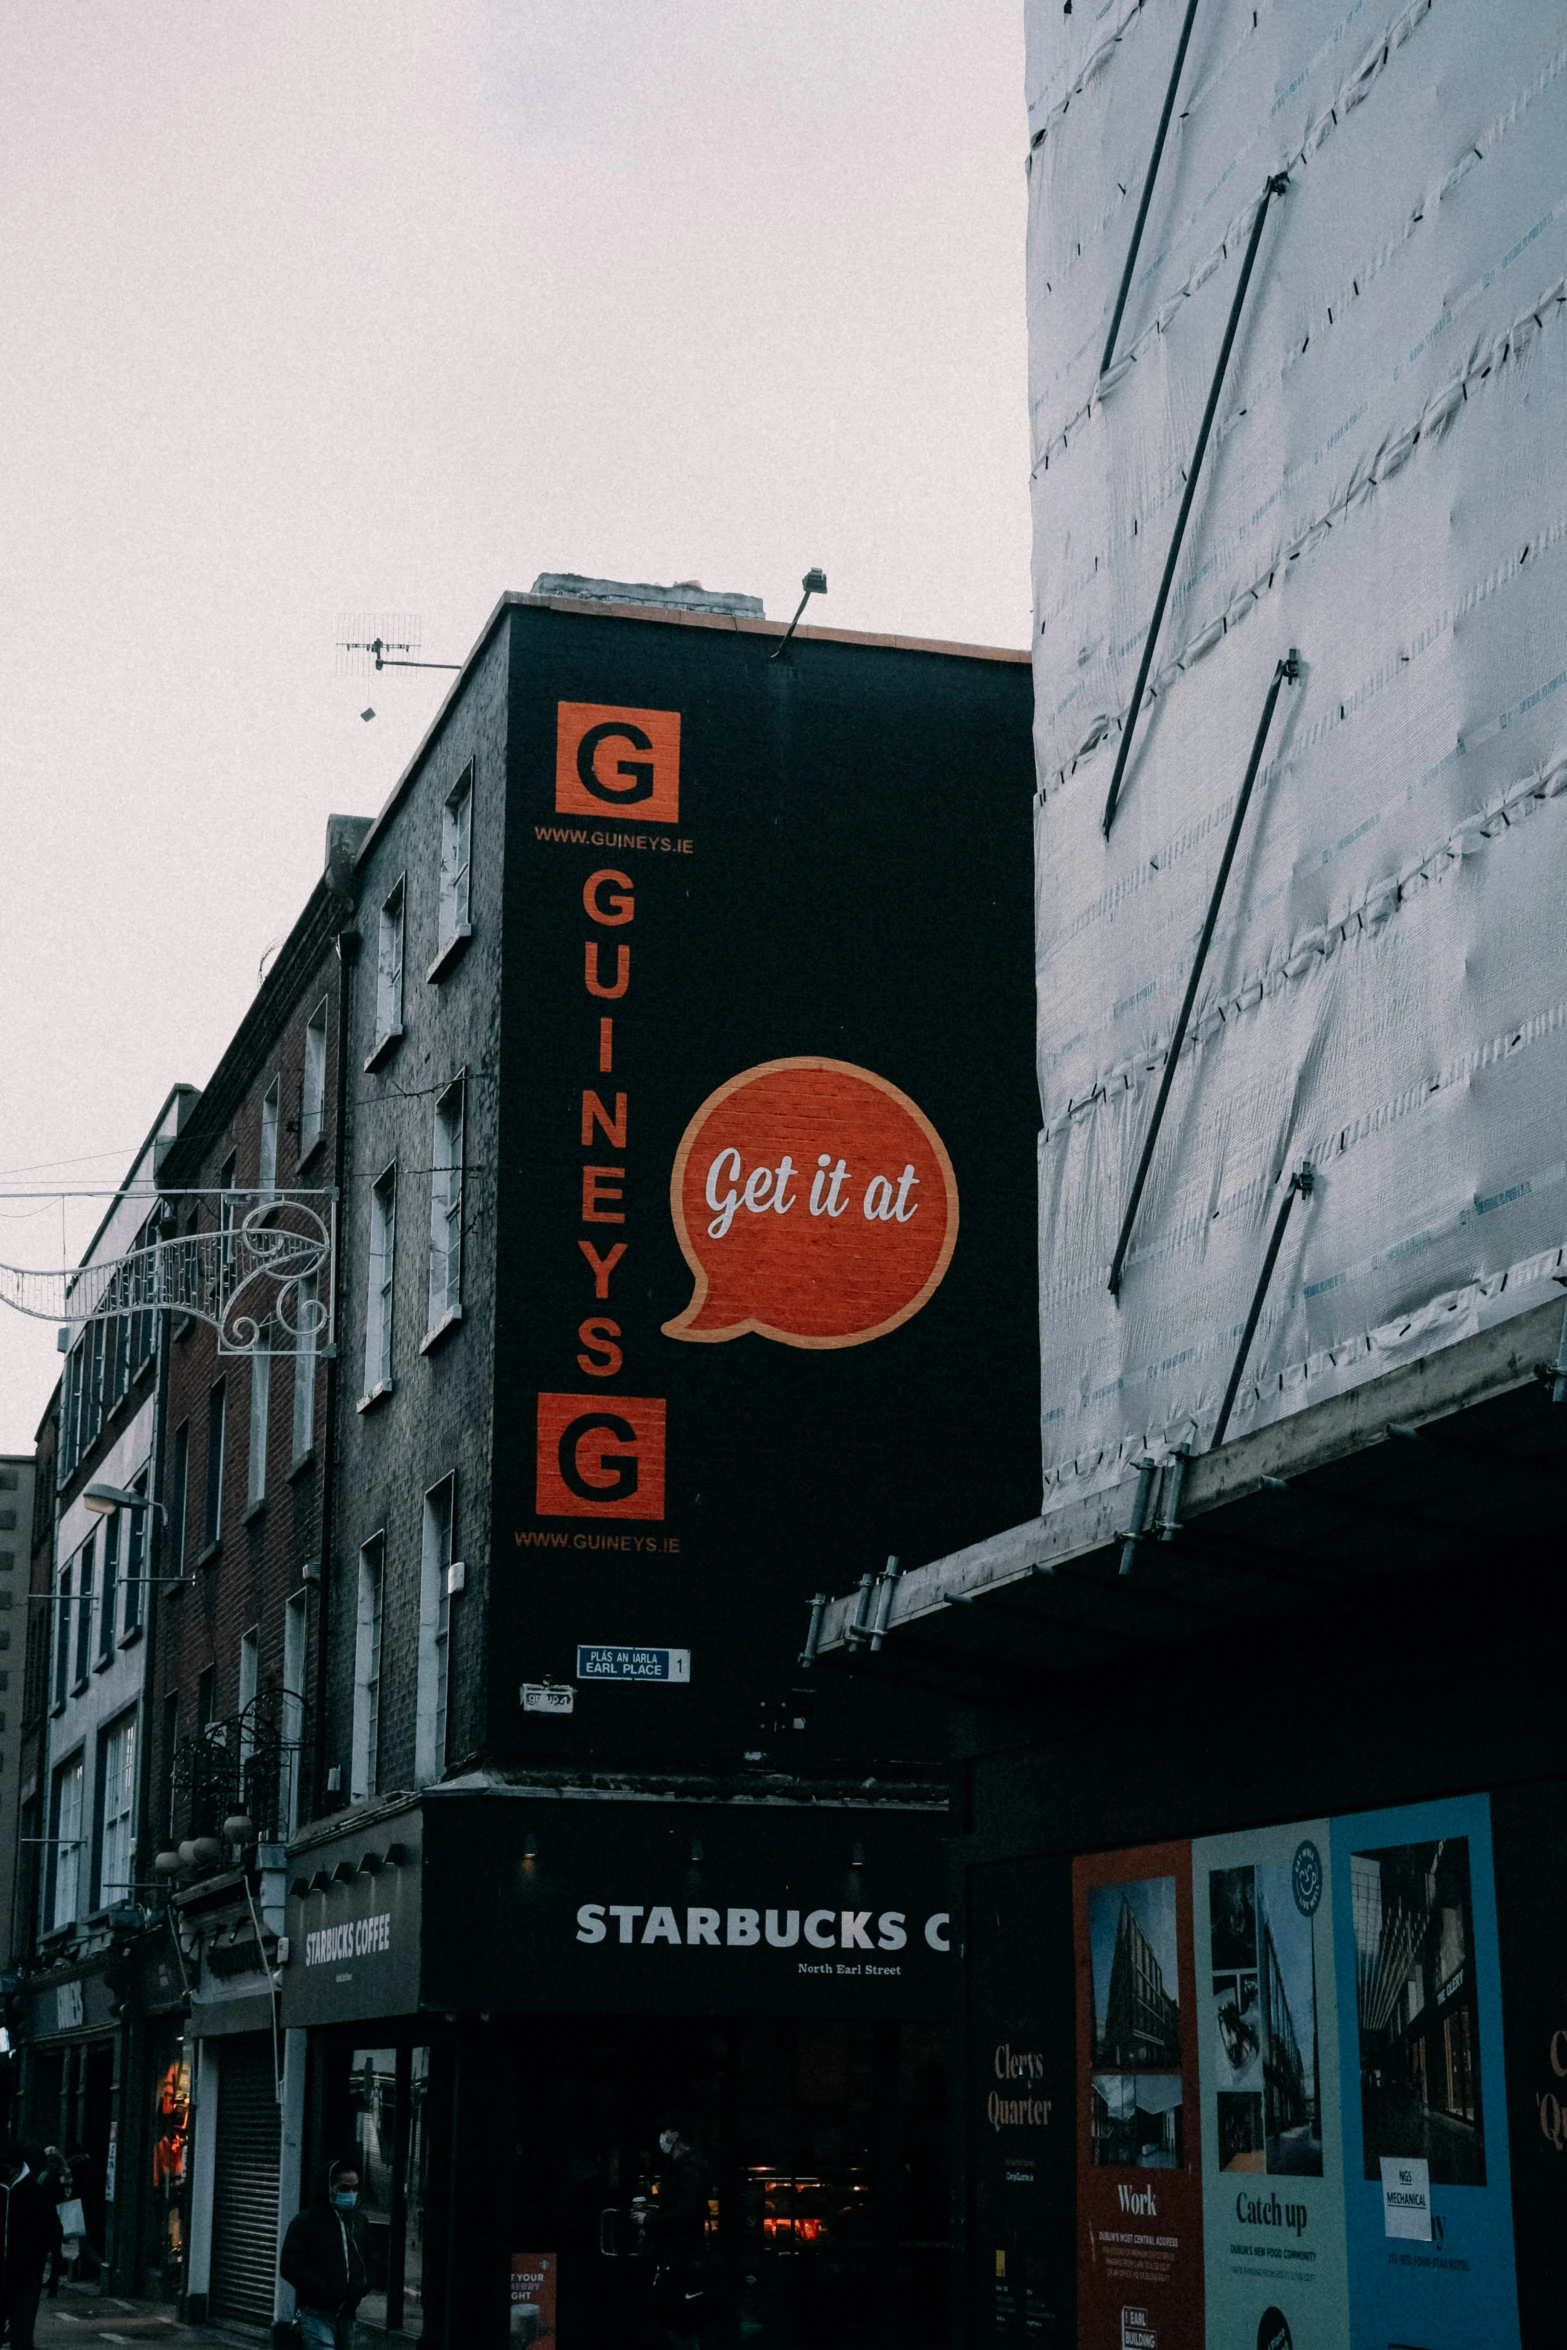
<point>602,1662</point>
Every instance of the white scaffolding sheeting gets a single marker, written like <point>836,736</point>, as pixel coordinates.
<point>1385,996</point>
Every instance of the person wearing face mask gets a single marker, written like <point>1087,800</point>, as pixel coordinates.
<point>329,2259</point>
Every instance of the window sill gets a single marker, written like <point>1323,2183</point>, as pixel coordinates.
<point>382,1387</point>
<point>130,1638</point>
<point>101,1664</point>
<point>448,1322</point>
<point>383,1047</point>
<point>57,1709</point>
<point>77,1687</point>
<point>253,1510</point>
<point>450,952</point>
<point>301,1462</point>
<point>309,1152</point>
<point>203,1557</point>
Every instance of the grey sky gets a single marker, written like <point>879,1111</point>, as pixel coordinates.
<point>339,306</point>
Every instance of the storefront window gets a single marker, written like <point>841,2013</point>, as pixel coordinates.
<point>387,2094</point>
<point>170,2160</point>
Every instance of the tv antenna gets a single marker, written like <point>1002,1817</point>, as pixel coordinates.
<point>381,640</point>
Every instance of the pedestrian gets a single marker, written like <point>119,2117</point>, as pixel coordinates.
<point>36,2156</point>
<point>679,2294</point>
<point>29,2235</point>
<point>329,2259</point>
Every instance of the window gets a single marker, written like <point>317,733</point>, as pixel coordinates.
<point>62,1637</point>
<point>66,1832</point>
<point>144,1320</point>
<point>446,1208</point>
<point>116,1852</point>
<point>108,1611</point>
<point>389,968</point>
<point>249,1681</point>
<point>168,1751</point>
<point>136,1558</point>
<point>260,1411</point>
<point>266,1162</point>
<point>312,1091</point>
<point>84,1584</point>
<point>307,1297</point>
<point>204,1681</point>
<point>296,1626</point>
<point>367,1671</point>
<point>212,1518</point>
<point>92,1393</point>
<point>226,1205</point>
<point>434,1628</point>
<point>456,844</point>
<point>179,1495</point>
<point>378,1315</point>
<point>70,1404</point>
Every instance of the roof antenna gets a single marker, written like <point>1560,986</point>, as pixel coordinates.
<point>814,584</point>
<point>389,640</point>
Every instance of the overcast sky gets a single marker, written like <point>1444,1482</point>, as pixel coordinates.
<point>338,307</point>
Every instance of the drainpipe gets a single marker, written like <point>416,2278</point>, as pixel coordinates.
<point>348,943</point>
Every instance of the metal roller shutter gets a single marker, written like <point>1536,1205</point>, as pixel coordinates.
<point>245,2182</point>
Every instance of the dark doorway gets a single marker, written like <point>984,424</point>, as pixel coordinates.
<point>824,2148</point>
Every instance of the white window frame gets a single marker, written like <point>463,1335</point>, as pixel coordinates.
<point>116,1846</point>
<point>446,1207</point>
<point>249,1682</point>
<point>312,1083</point>
<point>391,934</point>
<point>381,1297</point>
<point>266,1155</point>
<point>435,1603</point>
<point>296,1639</point>
<point>63,1630</point>
<point>66,1812</point>
<point>366,1741</point>
<point>86,1563</point>
<point>307,1296</point>
<point>454,898</point>
<point>260,1418</point>
<point>217,1462</point>
<point>227,1178</point>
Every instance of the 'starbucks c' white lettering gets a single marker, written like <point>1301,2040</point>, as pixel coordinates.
<point>751,1929</point>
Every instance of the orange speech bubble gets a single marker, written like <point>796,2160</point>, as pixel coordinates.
<point>815,1204</point>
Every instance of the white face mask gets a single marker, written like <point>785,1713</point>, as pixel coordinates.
<point>667,2141</point>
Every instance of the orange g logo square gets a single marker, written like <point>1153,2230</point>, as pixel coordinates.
<point>601,1456</point>
<point>626,760</point>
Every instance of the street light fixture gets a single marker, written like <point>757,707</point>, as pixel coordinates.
<point>104,1500</point>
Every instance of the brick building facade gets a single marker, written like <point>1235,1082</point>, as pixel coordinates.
<point>247,1485</point>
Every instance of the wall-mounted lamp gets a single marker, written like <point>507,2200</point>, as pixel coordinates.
<point>696,1849</point>
<point>530,1846</point>
<point>856,1856</point>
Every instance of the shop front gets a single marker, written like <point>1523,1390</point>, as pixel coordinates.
<point>509,1997</point>
<point>69,2035</point>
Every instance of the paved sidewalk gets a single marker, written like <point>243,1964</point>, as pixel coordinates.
<point>82,2315</point>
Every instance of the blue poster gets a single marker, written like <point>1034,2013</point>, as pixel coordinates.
<point>1427,2188</point>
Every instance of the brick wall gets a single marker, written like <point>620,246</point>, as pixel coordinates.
<point>268,1549</point>
<point>435,1422</point>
